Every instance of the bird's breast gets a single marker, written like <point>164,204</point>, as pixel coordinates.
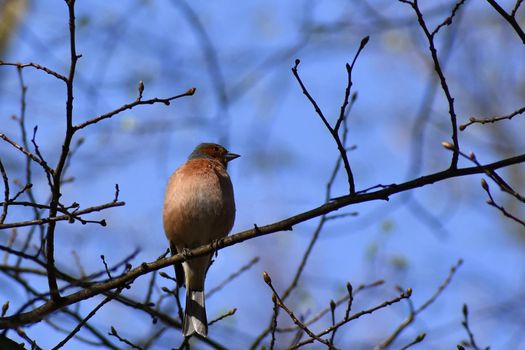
<point>199,205</point>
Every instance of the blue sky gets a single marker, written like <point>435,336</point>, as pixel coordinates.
<point>287,155</point>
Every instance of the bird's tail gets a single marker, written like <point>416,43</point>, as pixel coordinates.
<point>195,317</point>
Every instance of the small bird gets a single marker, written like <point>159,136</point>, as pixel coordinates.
<point>199,207</point>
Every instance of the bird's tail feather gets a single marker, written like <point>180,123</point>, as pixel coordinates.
<point>195,317</point>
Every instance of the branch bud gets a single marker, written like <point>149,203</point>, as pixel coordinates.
<point>420,337</point>
<point>141,88</point>
<point>447,145</point>
<point>364,41</point>
<point>485,185</point>
<point>465,310</point>
<point>349,288</point>
<point>267,278</point>
<point>5,307</point>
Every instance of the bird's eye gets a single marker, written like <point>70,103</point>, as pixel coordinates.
<point>216,149</point>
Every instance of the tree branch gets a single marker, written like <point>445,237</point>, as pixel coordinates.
<point>286,224</point>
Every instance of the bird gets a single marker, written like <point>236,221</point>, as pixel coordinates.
<point>199,207</point>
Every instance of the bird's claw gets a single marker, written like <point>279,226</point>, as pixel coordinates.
<point>186,253</point>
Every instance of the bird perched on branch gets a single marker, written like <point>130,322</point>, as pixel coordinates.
<point>199,208</point>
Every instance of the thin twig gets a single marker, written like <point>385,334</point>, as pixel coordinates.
<point>63,217</point>
<point>333,305</point>
<point>511,19</point>
<point>5,204</point>
<point>106,266</point>
<point>492,203</point>
<point>333,131</point>
<point>83,322</point>
<point>437,67</point>
<point>503,185</point>
<point>516,7</point>
<point>273,326</point>
<point>221,317</point>
<point>290,313</point>
<point>27,153</point>
<point>465,324</point>
<point>414,312</point>
<point>474,120</point>
<point>417,340</point>
<point>114,333</point>
<point>347,298</point>
<point>28,166</point>
<point>233,276</point>
<point>135,103</point>
<point>448,21</point>
<point>405,295</point>
<point>154,337</point>
<point>36,66</point>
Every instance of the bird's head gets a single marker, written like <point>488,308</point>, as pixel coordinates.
<point>213,151</point>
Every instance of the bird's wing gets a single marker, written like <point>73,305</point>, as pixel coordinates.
<point>179,271</point>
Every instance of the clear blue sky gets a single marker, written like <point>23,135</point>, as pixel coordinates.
<point>287,155</point>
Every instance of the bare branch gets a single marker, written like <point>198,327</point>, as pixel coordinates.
<point>114,333</point>
<point>290,313</point>
<point>492,203</point>
<point>333,131</point>
<point>465,324</point>
<point>27,153</point>
<point>414,312</point>
<point>473,120</point>
<point>417,340</point>
<point>68,217</point>
<point>233,276</point>
<point>36,66</point>
<point>273,323</point>
<point>441,75</point>
<point>135,103</point>
<point>516,7</point>
<point>511,19</point>
<point>349,69</point>
<point>84,321</point>
<point>349,298</point>
<point>144,268</point>
<point>404,295</point>
<point>227,314</point>
<point>6,192</point>
<point>448,20</point>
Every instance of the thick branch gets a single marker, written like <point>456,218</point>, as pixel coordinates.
<point>509,18</point>
<point>286,224</point>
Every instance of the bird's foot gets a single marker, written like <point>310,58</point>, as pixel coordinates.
<point>186,253</point>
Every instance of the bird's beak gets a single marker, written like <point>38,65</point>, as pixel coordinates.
<point>230,156</point>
